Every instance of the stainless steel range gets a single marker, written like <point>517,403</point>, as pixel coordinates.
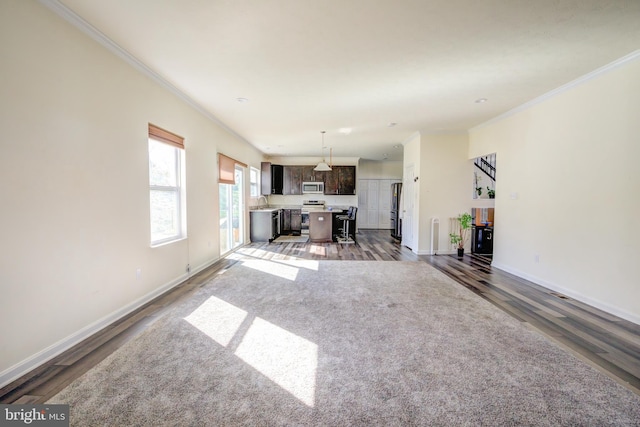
<point>310,205</point>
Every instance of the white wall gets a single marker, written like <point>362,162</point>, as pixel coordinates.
<point>74,185</point>
<point>445,180</point>
<point>568,190</point>
<point>371,169</point>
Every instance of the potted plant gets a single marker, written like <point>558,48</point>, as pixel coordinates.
<point>491,192</point>
<point>460,238</point>
<point>476,179</point>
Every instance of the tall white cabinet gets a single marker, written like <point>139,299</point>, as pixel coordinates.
<point>374,203</point>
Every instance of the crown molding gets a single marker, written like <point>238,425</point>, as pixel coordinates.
<point>77,21</point>
<point>633,56</point>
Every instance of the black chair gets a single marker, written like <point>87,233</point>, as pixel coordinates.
<point>350,216</point>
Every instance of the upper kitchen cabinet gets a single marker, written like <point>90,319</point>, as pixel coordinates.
<point>271,177</point>
<point>347,184</point>
<point>292,182</point>
<point>310,175</point>
<point>341,180</point>
<point>331,181</point>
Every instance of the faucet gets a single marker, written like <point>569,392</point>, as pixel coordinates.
<point>266,202</point>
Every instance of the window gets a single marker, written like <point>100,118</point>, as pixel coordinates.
<point>165,186</point>
<point>254,181</point>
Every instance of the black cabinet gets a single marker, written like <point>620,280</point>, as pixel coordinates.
<point>482,240</point>
<point>271,178</point>
<point>277,175</point>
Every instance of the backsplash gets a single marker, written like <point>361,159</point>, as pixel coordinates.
<point>330,200</point>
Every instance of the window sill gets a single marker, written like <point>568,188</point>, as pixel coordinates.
<point>167,242</point>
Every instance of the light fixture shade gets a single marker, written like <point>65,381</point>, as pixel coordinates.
<point>322,167</point>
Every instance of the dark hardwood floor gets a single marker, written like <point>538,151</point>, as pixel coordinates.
<point>608,343</point>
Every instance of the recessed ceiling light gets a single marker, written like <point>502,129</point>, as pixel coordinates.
<point>345,131</point>
<point>392,124</point>
<point>481,100</point>
<point>396,146</point>
<point>242,100</point>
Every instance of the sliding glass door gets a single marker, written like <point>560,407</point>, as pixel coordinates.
<point>232,213</point>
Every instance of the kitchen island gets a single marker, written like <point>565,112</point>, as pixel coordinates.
<point>321,226</point>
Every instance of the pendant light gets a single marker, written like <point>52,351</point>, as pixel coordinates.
<point>322,166</point>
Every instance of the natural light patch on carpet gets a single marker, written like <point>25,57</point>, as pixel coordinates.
<point>285,358</point>
<point>275,268</point>
<point>218,319</point>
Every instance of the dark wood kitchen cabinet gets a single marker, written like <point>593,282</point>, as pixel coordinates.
<point>331,181</point>
<point>347,180</point>
<point>292,181</point>
<point>296,221</point>
<point>291,221</point>
<point>265,178</point>
<point>340,180</point>
<point>310,175</point>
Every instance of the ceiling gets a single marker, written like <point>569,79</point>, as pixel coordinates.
<point>304,66</point>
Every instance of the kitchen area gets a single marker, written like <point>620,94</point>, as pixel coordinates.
<point>313,221</point>
<point>301,204</point>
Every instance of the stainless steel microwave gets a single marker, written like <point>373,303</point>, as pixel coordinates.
<point>315,187</point>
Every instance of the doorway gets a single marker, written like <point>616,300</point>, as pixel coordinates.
<point>483,206</point>
<point>232,213</point>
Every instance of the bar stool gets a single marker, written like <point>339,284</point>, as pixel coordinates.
<point>350,216</point>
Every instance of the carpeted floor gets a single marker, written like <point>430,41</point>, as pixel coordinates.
<point>337,343</point>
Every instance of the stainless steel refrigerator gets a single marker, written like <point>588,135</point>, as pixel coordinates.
<point>396,221</point>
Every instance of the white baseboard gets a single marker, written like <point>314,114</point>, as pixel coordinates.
<point>203,266</point>
<point>428,252</point>
<point>616,311</point>
<point>32,362</point>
